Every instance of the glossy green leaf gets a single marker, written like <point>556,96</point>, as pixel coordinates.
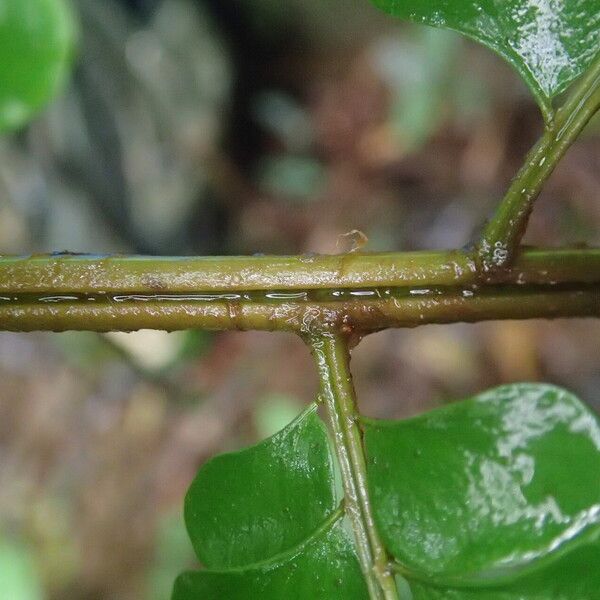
<point>266,522</point>
<point>248,506</point>
<point>323,568</point>
<point>575,576</point>
<point>495,497</point>
<point>36,41</point>
<point>550,42</point>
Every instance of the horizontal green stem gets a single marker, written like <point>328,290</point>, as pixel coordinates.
<point>502,235</point>
<point>448,305</point>
<point>88,274</point>
<point>84,274</point>
<point>364,292</point>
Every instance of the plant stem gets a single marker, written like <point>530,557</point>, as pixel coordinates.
<point>332,358</point>
<point>374,291</point>
<point>122,275</point>
<point>502,235</point>
<point>364,315</point>
<point>137,274</point>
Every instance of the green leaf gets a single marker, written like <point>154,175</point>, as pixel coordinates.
<point>19,578</point>
<point>495,497</point>
<point>248,506</point>
<point>265,521</point>
<point>324,568</point>
<point>575,576</point>
<point>549,42</point>
<point>36,42</point>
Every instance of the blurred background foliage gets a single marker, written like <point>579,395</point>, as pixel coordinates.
<point>246,126</point>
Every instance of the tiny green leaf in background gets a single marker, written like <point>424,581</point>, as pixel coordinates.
<point>19,577</point>
<point>36,44</point>
<point>549,42</point>
<point>495,497</point>
<point>266,522</point>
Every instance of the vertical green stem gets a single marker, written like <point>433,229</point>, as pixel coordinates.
<point>333,362</point>
<point>503,234</point>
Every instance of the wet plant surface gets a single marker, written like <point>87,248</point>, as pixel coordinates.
<point>488,498</point>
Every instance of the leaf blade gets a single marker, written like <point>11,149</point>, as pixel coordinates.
<point>489,491</point>
<point>325,568</point>
<point>36,42</point>
<point>549,42</point>
<point>251,505</point>
<point>576,576</point>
